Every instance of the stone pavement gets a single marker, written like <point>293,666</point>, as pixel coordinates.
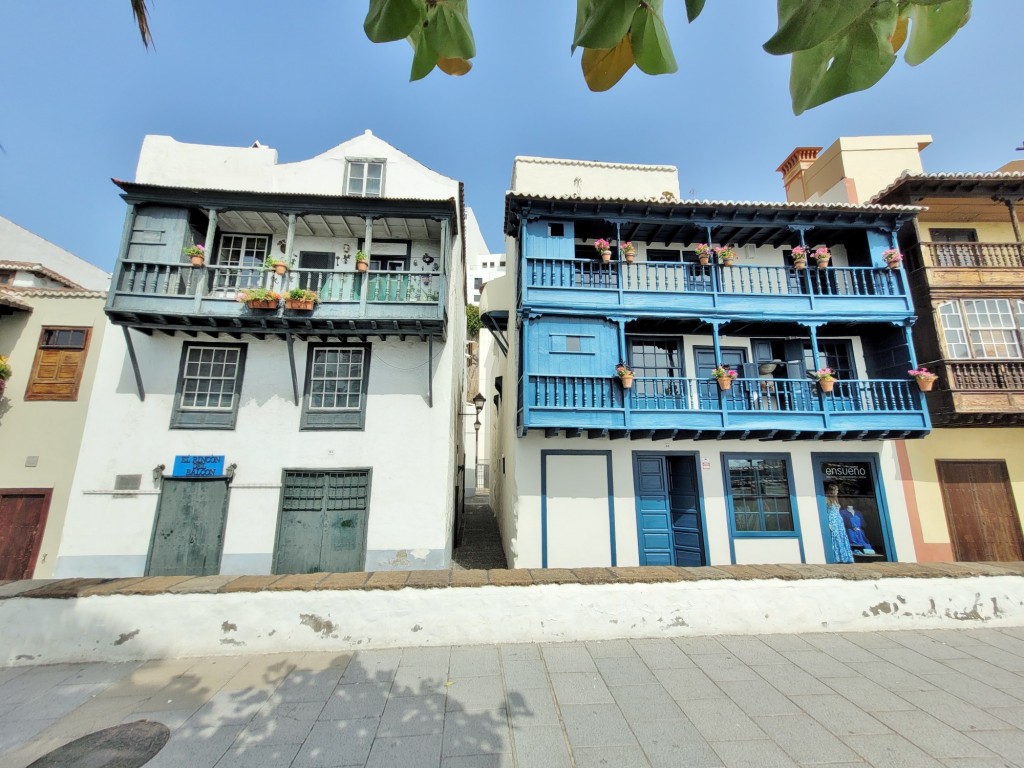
<point>944,698</point>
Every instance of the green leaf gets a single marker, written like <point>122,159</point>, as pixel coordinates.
<point>932,26</point>
<point>804,24</point>
<point>583,9</point>
<point>605,24</point>
<point>448,30</point>
<point>649,39</point>
<point>693,9</point>
<point>604,67</point>
<point>424,57</point>
<point>388,20</point>
<point>851,62</point>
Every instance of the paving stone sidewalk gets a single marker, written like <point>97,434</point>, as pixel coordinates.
<point>946,699</point>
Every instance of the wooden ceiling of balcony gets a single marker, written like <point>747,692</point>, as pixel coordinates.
<point>963,209</point>
<point>326,225</point>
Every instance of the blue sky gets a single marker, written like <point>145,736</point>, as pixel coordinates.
<point>80,92</point>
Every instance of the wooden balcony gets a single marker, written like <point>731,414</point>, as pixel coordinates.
<point>970,392</point>
<point>765,409</point>
<point>148,295</point>
<point>953,267</point>
<point>737,292</point>
<point>973,255</point>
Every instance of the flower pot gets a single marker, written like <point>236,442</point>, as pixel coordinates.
<point>261,304</point>
<point>197,261</point>
<point>727,262</point>
<point>703,260</point>
<point>362,266</point>
<point>925,385</point>
<point>822,263</point>
<point>800,264</point>
<point>606,256</point>
<point>893,265</point>
<point>627,380</point>
<point>725,382</point>
<point>630,257</point>
<point>826,384</point>
<point>305,305</point>
<point>280,267</point>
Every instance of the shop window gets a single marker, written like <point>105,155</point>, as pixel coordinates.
<point>760,495</point>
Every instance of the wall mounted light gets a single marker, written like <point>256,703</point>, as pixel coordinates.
<point>158,472</point>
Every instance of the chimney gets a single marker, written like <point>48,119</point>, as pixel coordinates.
<point>792,170</point>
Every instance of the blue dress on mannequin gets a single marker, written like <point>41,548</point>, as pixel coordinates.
<point>854,523</point>
<point>841,551</point>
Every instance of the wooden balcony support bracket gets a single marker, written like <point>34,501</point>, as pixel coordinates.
<point>291,363</point>
<point>570,433</point>
<point>134,363</point>
<point>596,434</point>
<point>551,432</point>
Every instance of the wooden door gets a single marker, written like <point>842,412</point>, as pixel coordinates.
<point>684,499</point>
<point>982,516</point>
<point>654,524</point>
<point>189,530</point>
<point>22,520</point>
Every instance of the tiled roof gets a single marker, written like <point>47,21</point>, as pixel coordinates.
<point>39,269</point>
<point>7,300</point>
<point>67,293</point>
<point>662,201</point>
<point>906,178</point>
<point>593,163</point>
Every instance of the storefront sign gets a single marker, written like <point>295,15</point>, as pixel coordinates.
<point>198,466</point>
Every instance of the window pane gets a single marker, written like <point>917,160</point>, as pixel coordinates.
<point>209,385</point>
<point>759,488</point>
<point>336,378</point>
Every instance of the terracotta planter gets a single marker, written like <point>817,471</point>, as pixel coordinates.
<point>305,305</point>
<point>362,266</point>
<point>826,384</point>
<point>606,256</point>
<point>925,385</point>
<point>893,265</point>
<point>197,261</point>
<point>703,260</point>
<point>727,262</point>
<point>280,267</point>
<point>822,263</point>
<point>725,382</point>
<point>630,257</point>
<point>801,264</point>
<point>627,380</point>
<point>261,304</point>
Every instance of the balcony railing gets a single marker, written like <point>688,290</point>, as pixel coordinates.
<point>858,407</point>
<point>973,254</point>
<point>681,287</point>
<point>982,377</point>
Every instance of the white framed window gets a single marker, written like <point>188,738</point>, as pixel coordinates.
<point>336,381</point>
<point>245,252</point>
<point>365,178</point>
<point>982,328</point>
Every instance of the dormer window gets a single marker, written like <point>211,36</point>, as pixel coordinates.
<point>6,276</point>
<point>365,178</point>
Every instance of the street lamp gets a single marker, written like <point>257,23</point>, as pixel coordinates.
<point>478,402</point>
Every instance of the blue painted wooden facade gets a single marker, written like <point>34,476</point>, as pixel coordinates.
<point>579,316</point>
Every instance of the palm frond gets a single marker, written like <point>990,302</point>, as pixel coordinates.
<point>142,19</point>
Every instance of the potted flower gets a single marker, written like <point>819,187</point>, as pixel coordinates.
<point>279,265</point>
<point>893,258</point>
<point>362,261</point>
<point>925,378</point>
<point>826,378</point>
<point>259,298</point>
<point>724,376</point>
<point>5,373</point>
<point>799,255</point>
<point>197,253</point>
<point>703,253</point>
<point>300,298</point>
<point>821,256</point>
<point>603,247</point>
<point>726,255</point>
<point>625,374</point>
<point>628,251</point>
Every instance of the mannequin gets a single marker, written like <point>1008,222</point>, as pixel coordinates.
<point>841,551</point>
<point>854,522</point>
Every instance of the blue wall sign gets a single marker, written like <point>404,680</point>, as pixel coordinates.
<point>198,466</point>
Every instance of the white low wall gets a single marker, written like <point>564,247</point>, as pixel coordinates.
<point>122,627</point>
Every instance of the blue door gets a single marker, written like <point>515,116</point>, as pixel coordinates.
<point>669,520</point>
<point>710,395</point>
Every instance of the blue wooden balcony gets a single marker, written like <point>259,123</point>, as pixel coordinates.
<point>182,297</point>
<point>686,408</point>
<point>736,292</point>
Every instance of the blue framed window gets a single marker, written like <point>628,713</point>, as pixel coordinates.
<point>760,492</point>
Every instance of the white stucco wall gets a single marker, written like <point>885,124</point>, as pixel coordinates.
<point>557,177</point>
<point>21,245</point>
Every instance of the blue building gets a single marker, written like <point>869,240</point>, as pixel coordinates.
<point>678,467</point>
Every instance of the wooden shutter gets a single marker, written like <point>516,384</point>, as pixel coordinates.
<point>57,371</point>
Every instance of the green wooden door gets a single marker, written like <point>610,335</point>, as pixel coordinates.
<point>323,522</point>
<point>189,530</point>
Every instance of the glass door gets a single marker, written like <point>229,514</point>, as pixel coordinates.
<point>851,506</point>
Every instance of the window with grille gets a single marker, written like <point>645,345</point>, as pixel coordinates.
<point>759,494</point>
<point>983,328</point>
<point>59,364</point>
<point>209,386</point>
<point>336,381</point>
<point>365,178</point>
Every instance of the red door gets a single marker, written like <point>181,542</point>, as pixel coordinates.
<point>22,519</point>
<point>983,521</point>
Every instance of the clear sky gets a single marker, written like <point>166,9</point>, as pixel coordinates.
<point>79,92</point>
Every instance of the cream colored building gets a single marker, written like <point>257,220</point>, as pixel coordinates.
<point>51,328</point>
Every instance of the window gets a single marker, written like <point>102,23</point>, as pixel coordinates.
<point>248,251</point>
<point>661,256</point>
<point>365,178</point>
<point>59,364</point>
<point>478,283</point>
<point>209,386</point>
<point>983,328</point>
<point>561,342</point>
<point>336,383</point>
<point>759,494</point>
<point>6,276</point>
<point>556,230</point>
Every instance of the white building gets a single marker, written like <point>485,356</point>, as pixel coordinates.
<point>224,437</point>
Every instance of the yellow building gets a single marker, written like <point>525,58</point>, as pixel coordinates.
<point>965,258</point>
